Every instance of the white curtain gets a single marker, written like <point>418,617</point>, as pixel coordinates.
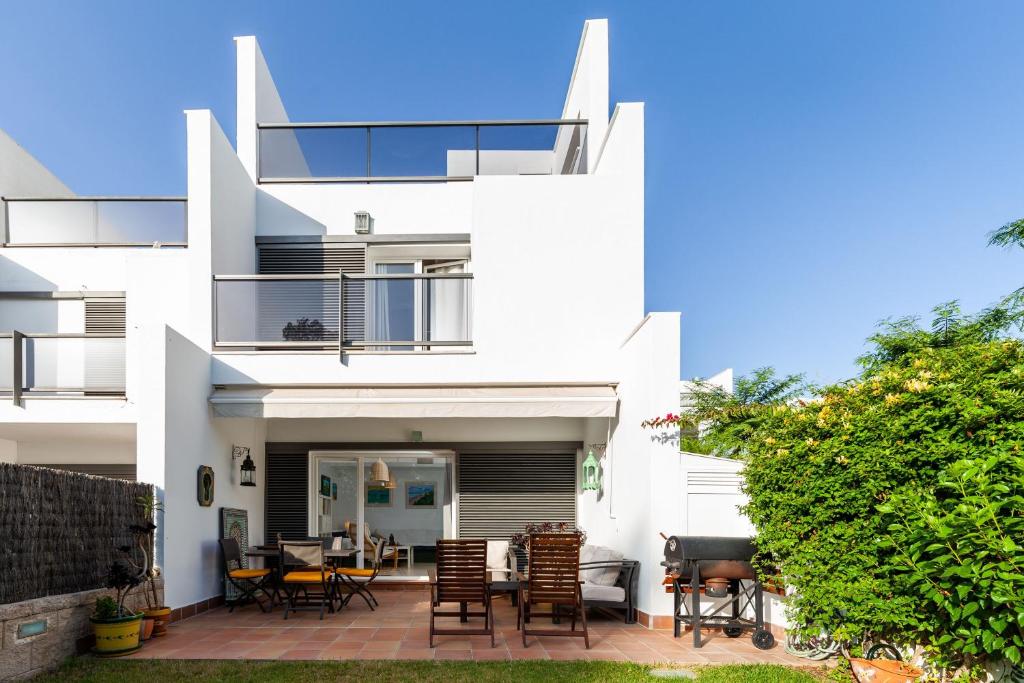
<point>449,309</point>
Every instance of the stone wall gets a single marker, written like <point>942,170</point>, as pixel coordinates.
<point>68,631</point>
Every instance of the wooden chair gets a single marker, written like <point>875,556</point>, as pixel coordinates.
<point>247,581</point>
<point>553,579</point>
<point>462,578</point>
<point>309,557</point>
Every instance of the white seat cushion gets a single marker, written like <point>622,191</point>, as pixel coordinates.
<point>497,556</point>
<point>601,576</point>
<point>607,593</point>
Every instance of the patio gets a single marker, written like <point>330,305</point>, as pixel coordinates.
<point>398,630</point>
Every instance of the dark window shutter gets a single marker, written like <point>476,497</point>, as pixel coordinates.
<point>312,259</point>
<point>104,316</point>
<point>287,496</point>
<point>500,494</point>
<point>105,360</point>
<point>277,304</point>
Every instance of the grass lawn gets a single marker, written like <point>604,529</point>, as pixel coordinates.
<point>147,671</point>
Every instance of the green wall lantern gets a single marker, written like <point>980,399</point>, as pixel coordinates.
<point>591,473</point>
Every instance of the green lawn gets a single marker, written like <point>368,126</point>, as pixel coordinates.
<point>147,671</point>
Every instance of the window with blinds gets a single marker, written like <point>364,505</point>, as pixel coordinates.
<point>498,494</point>
<point>287,495</point>
<point>104,359</point>
<point>104,316</point>
<point>325,259</point>
<point>315,300</point>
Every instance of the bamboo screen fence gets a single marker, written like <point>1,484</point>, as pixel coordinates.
<point>61,531</point>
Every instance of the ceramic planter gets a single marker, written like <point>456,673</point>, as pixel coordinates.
<point>161,616</point>
<point>116,637</point>
<point>884,671</point>
<point>147,628</point>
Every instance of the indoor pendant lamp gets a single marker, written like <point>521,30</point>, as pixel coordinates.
<point>379,473</point>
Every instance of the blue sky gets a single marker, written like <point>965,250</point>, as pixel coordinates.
<point>811,167</point>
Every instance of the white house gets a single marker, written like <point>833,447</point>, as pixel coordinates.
<point>462,300</point>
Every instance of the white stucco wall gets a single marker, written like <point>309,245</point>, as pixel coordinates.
<point>640,495</point>
<point>587,94</point>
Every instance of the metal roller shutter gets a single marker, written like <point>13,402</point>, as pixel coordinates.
<point>315,259</point>
<point>500,494</point>
<point>287,496</point>
<point>104,360</point>
<point>104,316</point>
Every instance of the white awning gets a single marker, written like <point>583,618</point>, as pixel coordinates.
<point>416,402</point>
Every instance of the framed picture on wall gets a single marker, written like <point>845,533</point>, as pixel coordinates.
<point>334,491</point>
<point>378,497</point>
<point>421,494</point>
<point>325,485</point>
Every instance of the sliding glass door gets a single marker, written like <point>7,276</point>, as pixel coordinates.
<point>409,512</point>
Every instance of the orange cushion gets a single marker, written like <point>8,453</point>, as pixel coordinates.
<point>304,577</point>
<point>248,573</point>
<point>349,571</point>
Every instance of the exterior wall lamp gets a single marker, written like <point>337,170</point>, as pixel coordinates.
<point>590,474</point>
<point>248,470</point>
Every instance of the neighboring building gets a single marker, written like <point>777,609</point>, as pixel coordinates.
<point>721,379</point>
<point>463,301</point>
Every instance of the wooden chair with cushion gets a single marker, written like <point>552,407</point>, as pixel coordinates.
<point>311,577</point>
<point>357,581</point>
<point>247,581</point>
<point>553,579</point>
<point>462,578</point>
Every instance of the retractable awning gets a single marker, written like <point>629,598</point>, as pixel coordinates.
<point>416,402</point>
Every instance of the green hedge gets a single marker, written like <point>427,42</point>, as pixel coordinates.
<point>854,497</point>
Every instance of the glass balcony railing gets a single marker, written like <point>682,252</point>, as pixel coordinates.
<point>383,152</point>
<point>370,312</point>
<point>92,221</point>
<point>60,364</point>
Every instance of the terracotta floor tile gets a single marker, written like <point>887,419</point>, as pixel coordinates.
<point>301,654</point>
<point>412,654</point>
<point>390,633</point>
<point>397,629</point>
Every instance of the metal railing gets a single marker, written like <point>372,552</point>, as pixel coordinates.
<point>61,364</point>
<point>94,221</point>
<point>390,312</point>
<point>396,151</point>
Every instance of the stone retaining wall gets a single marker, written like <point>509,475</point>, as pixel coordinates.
<point>68,631</point>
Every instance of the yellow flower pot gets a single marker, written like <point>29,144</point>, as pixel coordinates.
<point>116,637</point>
<point>161,616</point>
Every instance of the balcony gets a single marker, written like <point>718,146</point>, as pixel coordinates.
<point>95,222</point>
<point>420,151</point>
<point>60,365</point>
<point>375,313</point>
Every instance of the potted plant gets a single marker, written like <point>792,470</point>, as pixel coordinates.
<point>521,542</point>
<point>156,614</point>
<point>116,627</point>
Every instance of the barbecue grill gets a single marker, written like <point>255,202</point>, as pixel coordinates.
<point>693,560</point>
